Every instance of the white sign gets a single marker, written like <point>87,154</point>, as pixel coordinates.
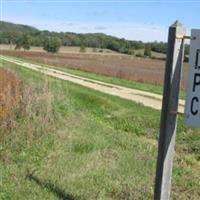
<point>192,106</point>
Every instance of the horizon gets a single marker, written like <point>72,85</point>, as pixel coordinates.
<point>132,20</point>
<point>76,32</point>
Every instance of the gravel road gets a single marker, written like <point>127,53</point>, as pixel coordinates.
<point>146,98</point>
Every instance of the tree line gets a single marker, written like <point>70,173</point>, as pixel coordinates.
<point>51,41</point>
<point>95,40</point>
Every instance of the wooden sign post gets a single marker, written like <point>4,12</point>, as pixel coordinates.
<point>175,54</point>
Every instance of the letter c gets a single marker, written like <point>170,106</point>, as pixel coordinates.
<point>194,112</point>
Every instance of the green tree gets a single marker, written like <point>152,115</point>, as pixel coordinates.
<point>12,34</point>
<point>52,44</point>
<point>24,41</point>
<point>82,49</point>
<point>147,50</point>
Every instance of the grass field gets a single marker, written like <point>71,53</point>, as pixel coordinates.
<point>70,142</point>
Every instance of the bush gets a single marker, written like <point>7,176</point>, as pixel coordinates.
<point>52,44</point>
<point>23,42</point>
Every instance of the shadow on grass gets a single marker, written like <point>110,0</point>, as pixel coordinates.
<point>58,192</point>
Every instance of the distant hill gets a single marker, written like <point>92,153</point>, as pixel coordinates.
<point>10,33</point>
<point>11,27</point>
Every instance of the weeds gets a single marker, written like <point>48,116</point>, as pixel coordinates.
<point>83,143</point>
<point>10,87</point>
<point>31,115</point>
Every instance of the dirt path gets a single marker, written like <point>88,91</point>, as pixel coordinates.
<point>146,98</point>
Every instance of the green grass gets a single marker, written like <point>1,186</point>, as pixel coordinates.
<point>157,89</point>
<point>76,143</point>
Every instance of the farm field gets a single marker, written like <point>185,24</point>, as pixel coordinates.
<point>126,67</point>
<point>88,50</point>
<point>147,87</point>
<point>89,145</point>
<point>157,89</point>
<point>63,49</point>
<point>146,98</point>
<point>153,54</point>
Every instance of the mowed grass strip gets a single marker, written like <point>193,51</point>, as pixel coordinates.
<point>77,143</point>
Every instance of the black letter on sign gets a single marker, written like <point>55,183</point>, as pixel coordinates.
<point>196,81</point>
<point>197,58</point>
<point>194,112</point>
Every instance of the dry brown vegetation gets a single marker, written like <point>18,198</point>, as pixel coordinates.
<point>64,49</point>
<point>121,66</point>
<point>25,111</point>
<point>9,92</point>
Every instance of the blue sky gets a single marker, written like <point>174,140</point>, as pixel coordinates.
<point>137,20</point>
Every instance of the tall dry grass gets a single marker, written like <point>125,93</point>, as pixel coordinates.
<point>10,87</point>
<point>27,113</point>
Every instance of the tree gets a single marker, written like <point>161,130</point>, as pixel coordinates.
<point>82,49</point>
<point>147,50</point>
<point>23,42</point>
<point>52,44</point>
<point>160,47</point>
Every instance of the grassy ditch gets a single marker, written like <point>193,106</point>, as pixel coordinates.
<point>71,142</point>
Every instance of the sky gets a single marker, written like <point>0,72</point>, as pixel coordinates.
<point>146,20</point>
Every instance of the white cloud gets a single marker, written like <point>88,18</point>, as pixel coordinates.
<point>128,30</point>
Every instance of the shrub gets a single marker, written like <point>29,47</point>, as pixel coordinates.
<point>23,42</point>
<point>52,44</point>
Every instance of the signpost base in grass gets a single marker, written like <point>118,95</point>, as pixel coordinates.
<point>175,54</point>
